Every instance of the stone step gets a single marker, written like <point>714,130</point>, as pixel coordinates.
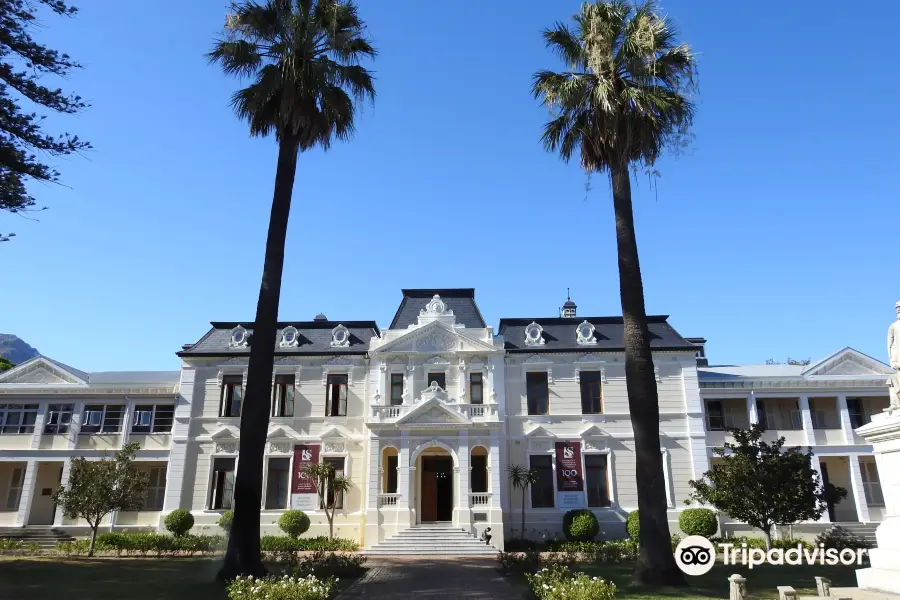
<point>427,553</point>
<point>432,541</point>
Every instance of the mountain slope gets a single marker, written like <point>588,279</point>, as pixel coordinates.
<point>14,349</point>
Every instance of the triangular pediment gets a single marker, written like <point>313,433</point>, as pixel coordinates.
<point>41,371</point>
<point>224,434</point>
<point>593,431</point>
<point>335,432</point>
<point>538,431</point>
<point>435,338</point>
<point>278,434</point>
<point>433,412</point>
<point>536,359</point>
<point>847,363</point>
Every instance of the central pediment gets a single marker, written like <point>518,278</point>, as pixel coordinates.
<point>433,412</point>
<point>434,338</point>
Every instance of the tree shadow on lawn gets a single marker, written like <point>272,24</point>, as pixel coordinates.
<point>762,581</point>
<point>111,579</point>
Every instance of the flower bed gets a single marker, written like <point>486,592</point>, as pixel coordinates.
<point>556,582</point>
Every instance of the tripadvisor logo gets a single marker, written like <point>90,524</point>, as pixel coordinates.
<point>696,555</point>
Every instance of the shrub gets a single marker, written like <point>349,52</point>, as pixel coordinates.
<point>19,547</point>
<point>280,588</point>
<point>698,521</point>
<point>557,582</point>
<point>633,525</point>
<point>840,539</point>
<point>520,563</point>
<point>294,523</point>
<point>179,522</point>
<point>187,544</point>
<point>76,548</point>
<point>226,520</point>
<point>324,565</point>
<point>580,525</point>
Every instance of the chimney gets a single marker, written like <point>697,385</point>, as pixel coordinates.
<point>701,350</point>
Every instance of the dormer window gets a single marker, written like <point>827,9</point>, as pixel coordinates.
<point>289,336</point>
<point>585,333</point>
<point>340,337</point>
<point>239,337</point>
<point>534,335</point>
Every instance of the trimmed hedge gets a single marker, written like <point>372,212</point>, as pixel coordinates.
<point>580,525</point>
<point>226,520</point>
<point>698,521</point>
<point>633,525</point>
<point>179,522</point>
<point>142,544</point>
<point>284,543</point>
<point>294,523</point>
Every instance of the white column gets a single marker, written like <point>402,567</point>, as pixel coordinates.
<point>375,470</point>
<point>464,515</point>
<point>752,413</point>
<point>126,422</point>
<point>806,419</point>
<point>28,487</point>
<point>64,481</point>
<point>857,490</point>
<point>39,426</point>
<point>816,464</point>
<point>846,425</point>
<point>694,422</point>
<point>75,424</point>
<point>404,485</point>
<point>179,448</point>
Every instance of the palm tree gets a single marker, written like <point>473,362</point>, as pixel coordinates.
<point>329,486</point>
<point>302,59</point>
<point>521,478</point>
<point>622,99</point>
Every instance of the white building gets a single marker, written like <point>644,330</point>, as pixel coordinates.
<point>425,416</point>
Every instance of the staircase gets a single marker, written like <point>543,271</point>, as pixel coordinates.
<point>432,540</point>
<point>45,537</point>
<point>865,531</point>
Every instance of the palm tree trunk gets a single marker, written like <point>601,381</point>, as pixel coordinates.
<point>242,557</point>
<point>523,514</point>
<point>656,563</point>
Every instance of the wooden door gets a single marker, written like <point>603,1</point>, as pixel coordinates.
<point>429,495</point>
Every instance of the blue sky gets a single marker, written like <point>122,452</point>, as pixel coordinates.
<point>776,235</point>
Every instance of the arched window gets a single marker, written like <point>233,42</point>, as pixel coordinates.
<point>478,480</point>
<point>389,464</point>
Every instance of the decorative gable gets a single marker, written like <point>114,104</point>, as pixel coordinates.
<point>847,363</point>
<point>40,371</point>
<point>433,412</point>
<point>435,338</point>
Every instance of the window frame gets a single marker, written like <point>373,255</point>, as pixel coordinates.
<point>552,480</point>
<point>857,408</point>
<point>487,476</point>
<point>10,489</point>
<point>283,395</point>
<point>102,428</point>
<point>606,483</point>
<point>528,397</point>
<point>158,490</point>
<point>479,385</point>
<point>212,493</point>
<point>286,496</point>
<point>230,382</point>
<point>709,414</point>
<point>23,410</point>
<point>154,417</point>
<point>393,385</point>
<point>333,383</point>
<point>392,476</point>
<point>442,375</point>
<point>63,423</point>
<point>328,492</point>
<point>871,484</point>
<point>586,379</point>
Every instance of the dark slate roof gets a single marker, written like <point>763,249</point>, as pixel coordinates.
<point>559,335</point>
<point>136,377</point>
<point>314,337</point>
<point>460,300</point>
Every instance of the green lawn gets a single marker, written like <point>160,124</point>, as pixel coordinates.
<point>761,581</point>
<point>110,579</point>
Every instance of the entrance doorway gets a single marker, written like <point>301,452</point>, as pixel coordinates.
<point>437,489</point>
<point>43,509</point>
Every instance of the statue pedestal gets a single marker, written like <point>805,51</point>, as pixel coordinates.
<point>884,435</point>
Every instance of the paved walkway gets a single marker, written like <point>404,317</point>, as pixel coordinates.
<point>469,578</point>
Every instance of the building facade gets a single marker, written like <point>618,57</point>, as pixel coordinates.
<point>424,418</point>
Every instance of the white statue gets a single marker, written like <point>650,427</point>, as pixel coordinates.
<point>894,355</point>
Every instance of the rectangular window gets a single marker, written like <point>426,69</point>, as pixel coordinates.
<point>715,418</point>
<point>396,389</point>
<point>538,393</point>
<point>153,418</point>
<point>871,483</point>
<point>156,491</point>
<point>542,490</point>
<point>17,479</point>
<point>338,464</point>
<point>277,483</point>
<point>102,418</point>
<point>391,487</point>
<point>283,396</point>
<point>58,418</point>
<point>596,479</point>
<point>857,412</point>
<point>591,393</point>
<point>435,377</point>
<point>232,395</point>
<point>222,488</point>
<point>336,402</point>
<point>476,388</point>
<point>479,477</point>
<point>17,418</point>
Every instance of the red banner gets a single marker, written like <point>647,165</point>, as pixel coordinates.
<point>569,477</point>
<point>304,455</point>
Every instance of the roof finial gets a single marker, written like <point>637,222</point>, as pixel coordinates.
<point>568,295</point>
